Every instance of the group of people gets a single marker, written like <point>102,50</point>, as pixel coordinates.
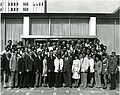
<point>56,64</point>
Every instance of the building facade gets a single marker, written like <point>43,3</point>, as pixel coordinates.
<point>46,19</point>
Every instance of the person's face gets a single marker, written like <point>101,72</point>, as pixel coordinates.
<point>39,53</point>
<point>97,58</point>
<point>13,51</point>
<point>66,54</point>
<point>80,56</point>
<point>98,41</point>
<point>113,54</point>
<point>75,57</point>
<point>62,53</point>
<point>83,54</point>
<point>51,53</point>
<point>58,56</point>
<point>104,57</point>
<point>23,55</point>
<point>63,43</point>
<point>87,41</point>
<point>18,50</point>
<point>89,56</point>
<point>72,42</point>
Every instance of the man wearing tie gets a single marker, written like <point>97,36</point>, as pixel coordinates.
<point>58,63</point>
<point>67,67</point>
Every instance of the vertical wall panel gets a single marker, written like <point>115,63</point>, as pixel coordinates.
<point>117,36</point>
<point>2,34</point>
<point>107,33</point>
<point>40,27</point>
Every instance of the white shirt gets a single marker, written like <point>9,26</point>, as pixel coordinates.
<point>57,63</point>
<point>84,64</point>
<point>91,64</point>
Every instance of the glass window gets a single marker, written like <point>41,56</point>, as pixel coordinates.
<point>17,4</point>
<point>11,4</point>
<point>14,9</point>
<point>39,4</point>
<point>0,4</point>
<point>42,3</point>
<point>25,9</point>
<point>14,4</point>
<point>17,9</point>
<point>0,9</point>
<point>8,4</point>
<point>11,9</point>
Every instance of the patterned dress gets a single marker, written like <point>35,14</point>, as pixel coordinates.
<point>76,69</point>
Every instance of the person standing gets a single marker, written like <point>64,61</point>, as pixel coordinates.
<point>21,70</point>
<point>84,70</point>
<point>91,74</point>
<point>29,61</point>
<point>58,63</point>
<point>112,68</point>
<point>38,69</point>
<point>104,69</point>
<point>98,68</point>
<point>50,69</point>
<point>14,70</point>
<point>76,71</point>
<point>6,69</point>
<point>67,67</point>
<point>44,73</point>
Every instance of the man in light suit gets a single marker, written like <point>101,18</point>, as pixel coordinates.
<point>14,70</point>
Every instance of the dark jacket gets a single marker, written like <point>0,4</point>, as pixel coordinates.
<point>67,64</point>
<point>38,64</point>
<point>5,64</point>
<point>50,64</point>
<point>28,63</point>
<point>112,65</point>
<point>21,65</point>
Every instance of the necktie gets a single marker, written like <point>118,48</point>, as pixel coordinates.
<point>59,66</point>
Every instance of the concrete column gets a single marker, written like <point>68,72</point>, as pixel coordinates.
<point>26,24</point>
<point>92,26</point>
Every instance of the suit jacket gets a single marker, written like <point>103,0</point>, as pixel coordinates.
<point>5,64</point>
<point>50,64</point>
<point>38,64</point>
<point>13,63</point>
<point>67,64</point>
<point>29,62</point>
<point>112,65</point>
<point>21,65</point>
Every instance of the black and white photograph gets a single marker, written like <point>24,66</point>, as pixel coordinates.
<point>59,47</point>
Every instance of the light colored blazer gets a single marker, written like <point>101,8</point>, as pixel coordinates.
<point>84,64</point>
<point>57,63</point>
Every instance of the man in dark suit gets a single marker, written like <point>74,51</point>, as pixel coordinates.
<point>21,70</point>
<point>29,62</point>
<point>112,67</point>
<point>38,69</point>
<point>67,66</point>
<point>6,68</point>
<point>50,69</point>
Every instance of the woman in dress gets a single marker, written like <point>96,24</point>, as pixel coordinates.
<point>76,71</point>
<point>98,68</point>
<point>44,71</point>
